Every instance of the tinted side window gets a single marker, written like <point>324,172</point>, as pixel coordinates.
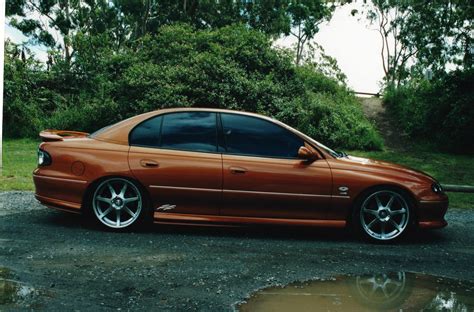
<point>191,131</point>
<point>147,133</point>
<point>256,137</point>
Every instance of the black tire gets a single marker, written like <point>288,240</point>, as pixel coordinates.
<point>383,214</point>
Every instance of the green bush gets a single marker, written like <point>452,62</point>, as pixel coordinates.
<point>331,120</point>
<point>439,111</point>
<point>232,67</point>
<point>24,99</point>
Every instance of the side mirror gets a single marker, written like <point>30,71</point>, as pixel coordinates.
<point>306,154</point>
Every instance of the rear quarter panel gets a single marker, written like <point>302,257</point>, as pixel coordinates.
<point>76,163</point>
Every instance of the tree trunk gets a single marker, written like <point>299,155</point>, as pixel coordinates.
<point>67,51</point>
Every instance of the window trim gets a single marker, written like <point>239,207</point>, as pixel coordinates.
<point>259,156</point>
<point>222,145</point>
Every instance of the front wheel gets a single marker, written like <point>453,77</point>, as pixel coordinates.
<point>383,215</point>
<point>118,203</point>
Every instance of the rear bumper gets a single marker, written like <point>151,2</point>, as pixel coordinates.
<point>431,214</point>
<point>59,204</point>
<point>58,192</point>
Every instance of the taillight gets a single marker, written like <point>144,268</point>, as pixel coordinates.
<point>44,159</point>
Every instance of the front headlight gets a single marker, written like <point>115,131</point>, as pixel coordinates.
<point>44,159</point>
<point>436,187</point>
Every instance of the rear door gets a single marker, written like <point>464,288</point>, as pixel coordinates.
<point>176,157</point>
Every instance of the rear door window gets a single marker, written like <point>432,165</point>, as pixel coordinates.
<point>147,133</point>
<point>190,131</point>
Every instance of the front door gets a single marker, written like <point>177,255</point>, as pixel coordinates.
<point>179,165</point>
<point>263,177</point>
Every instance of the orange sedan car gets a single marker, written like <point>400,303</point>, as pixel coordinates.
<point>214,166</point>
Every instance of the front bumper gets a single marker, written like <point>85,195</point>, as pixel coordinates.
<point>431,214</point>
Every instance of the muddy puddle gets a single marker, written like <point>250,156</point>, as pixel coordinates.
<point>398,291</point>
<point>14,293</point>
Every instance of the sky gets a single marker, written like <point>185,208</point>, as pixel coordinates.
<point>350,41</point>
<point>16,36</point>
<point>354,44</point>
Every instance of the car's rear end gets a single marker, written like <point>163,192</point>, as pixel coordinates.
<point>59,178</point>
<point>69,161</point>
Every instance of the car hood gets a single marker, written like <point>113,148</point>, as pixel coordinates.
<point>371,165</point>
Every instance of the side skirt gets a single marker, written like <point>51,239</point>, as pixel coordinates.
<point>192,219</point>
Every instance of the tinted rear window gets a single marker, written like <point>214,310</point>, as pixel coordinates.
<point>191,131</point>
<point>147,133</point>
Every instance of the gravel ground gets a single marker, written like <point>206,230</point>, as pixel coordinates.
<point>72,264</point>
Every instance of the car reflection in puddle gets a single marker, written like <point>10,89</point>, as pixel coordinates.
<point>13,293</point>
<point>398,291</point>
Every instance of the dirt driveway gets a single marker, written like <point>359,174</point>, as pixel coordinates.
<point>63,262</point>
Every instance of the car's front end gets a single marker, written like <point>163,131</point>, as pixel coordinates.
<point>360,174</point>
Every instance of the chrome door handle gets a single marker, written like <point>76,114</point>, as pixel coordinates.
<point>148,163</point>
<point>237,170</point>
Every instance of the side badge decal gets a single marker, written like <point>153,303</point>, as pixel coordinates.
<point>165,207</point>
<point>343,190</point>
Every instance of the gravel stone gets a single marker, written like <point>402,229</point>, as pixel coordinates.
<point>17,201</point>
<point>74,264</point>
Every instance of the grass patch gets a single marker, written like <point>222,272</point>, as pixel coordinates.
<point>19,160</point>
<point>446,168</point>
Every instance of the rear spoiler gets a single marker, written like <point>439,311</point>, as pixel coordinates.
<point>59,135</point>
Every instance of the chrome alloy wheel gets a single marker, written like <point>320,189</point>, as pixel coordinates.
<point>384,215</point>
<point>117,203</point>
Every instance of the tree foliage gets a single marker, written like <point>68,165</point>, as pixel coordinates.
<point>231,67</point>
<point>54,23</point>
<point>439,111</point>
<point>305,17</point>
<point>422,35</point>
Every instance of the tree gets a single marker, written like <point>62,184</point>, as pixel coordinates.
<point>388,19</point>
<point>54,23</point>
<point>316,58</point>
<point>305,17</point>
<point>417,35</point>
<point>441,31</point>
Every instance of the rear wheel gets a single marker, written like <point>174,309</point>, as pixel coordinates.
<point>118,203</point>
<point>383,215</point>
